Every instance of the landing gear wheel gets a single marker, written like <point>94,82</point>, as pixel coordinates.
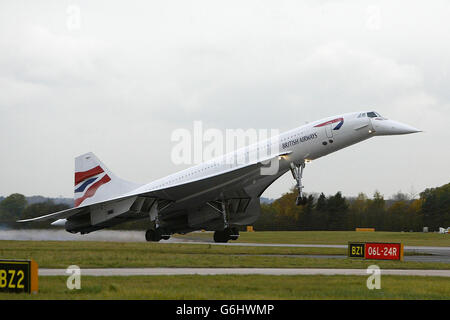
<point>221,236</point>
<point>151,235</point>
<point>155,235</point>
<point>165,237</point>
<point>234,233</point>
<point>163,233</point>
<point>148,235</point>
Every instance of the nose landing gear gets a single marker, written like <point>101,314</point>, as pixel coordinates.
<point>297,173</point>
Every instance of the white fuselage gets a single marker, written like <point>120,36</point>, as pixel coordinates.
<point>308,142</point>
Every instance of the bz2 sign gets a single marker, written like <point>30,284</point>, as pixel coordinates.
<point>18,276</point>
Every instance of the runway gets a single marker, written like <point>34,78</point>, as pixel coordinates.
<point>420,253</point>
<point>424,249</point>
<point>238,271</point>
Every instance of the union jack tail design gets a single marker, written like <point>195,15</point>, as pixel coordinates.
<point>87,183</point>
<point>94,182</point>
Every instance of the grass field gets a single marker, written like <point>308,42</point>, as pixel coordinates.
<point>255,287</point>
<point>54,254</point>
<point>87,254</point>
<point>335,237</point>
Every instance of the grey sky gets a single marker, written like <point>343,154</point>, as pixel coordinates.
<point>119,78</point>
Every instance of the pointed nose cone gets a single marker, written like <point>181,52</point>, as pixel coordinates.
<point>386,127</point>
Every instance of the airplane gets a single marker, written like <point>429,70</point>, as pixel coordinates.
<point>217,195</point>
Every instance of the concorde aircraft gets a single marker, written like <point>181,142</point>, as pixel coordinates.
<point>217,195</point>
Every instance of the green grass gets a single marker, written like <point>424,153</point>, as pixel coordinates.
<point>54,254</point>
<point>335,237</point>
<point>229,287</point>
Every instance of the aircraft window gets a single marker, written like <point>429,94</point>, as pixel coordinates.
<point>372,114</point>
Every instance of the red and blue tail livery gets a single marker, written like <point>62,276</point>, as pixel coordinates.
<point>87,183</point>
<point>94,182</point>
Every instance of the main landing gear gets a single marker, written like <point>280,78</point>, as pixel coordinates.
<point>297,173</point>
<point>228,233</point>
<point>158,233</point>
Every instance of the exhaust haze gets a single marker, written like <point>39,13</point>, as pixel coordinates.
<point>62,235</point>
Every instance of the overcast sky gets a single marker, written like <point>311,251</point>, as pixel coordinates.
<point>118,79</point>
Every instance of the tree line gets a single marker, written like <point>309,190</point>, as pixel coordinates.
<point>15,207</point>
<point>431,209</point>
<point>335,212</point>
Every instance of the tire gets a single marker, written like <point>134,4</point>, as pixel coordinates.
<point>163,234</point>
<point>153,235</point>
<point>150,235</point>
<point>221,236</point>
<point>234,233</point>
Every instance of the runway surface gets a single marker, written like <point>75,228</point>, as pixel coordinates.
<point>415,258</point>
<point>238,271</point>
<point>421,254</point>
<point>435,250</point>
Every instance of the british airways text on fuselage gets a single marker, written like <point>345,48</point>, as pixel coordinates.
<point>298,140</point>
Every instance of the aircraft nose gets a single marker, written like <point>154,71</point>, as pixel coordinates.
<point>391,127</point>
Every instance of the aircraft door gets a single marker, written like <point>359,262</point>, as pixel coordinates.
<point>371,128</point>
<point>329,131</point>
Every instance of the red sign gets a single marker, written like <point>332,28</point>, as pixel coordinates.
<point>384,251</point>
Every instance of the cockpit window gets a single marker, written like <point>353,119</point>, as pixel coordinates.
<point>373,114</point>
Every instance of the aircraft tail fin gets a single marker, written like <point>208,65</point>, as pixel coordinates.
<point>94,182</point>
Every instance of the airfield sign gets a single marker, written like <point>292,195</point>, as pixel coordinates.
<point>384,251</point>
<point>18,276</point>
<point>375,251</point>
<point>356,250</point>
